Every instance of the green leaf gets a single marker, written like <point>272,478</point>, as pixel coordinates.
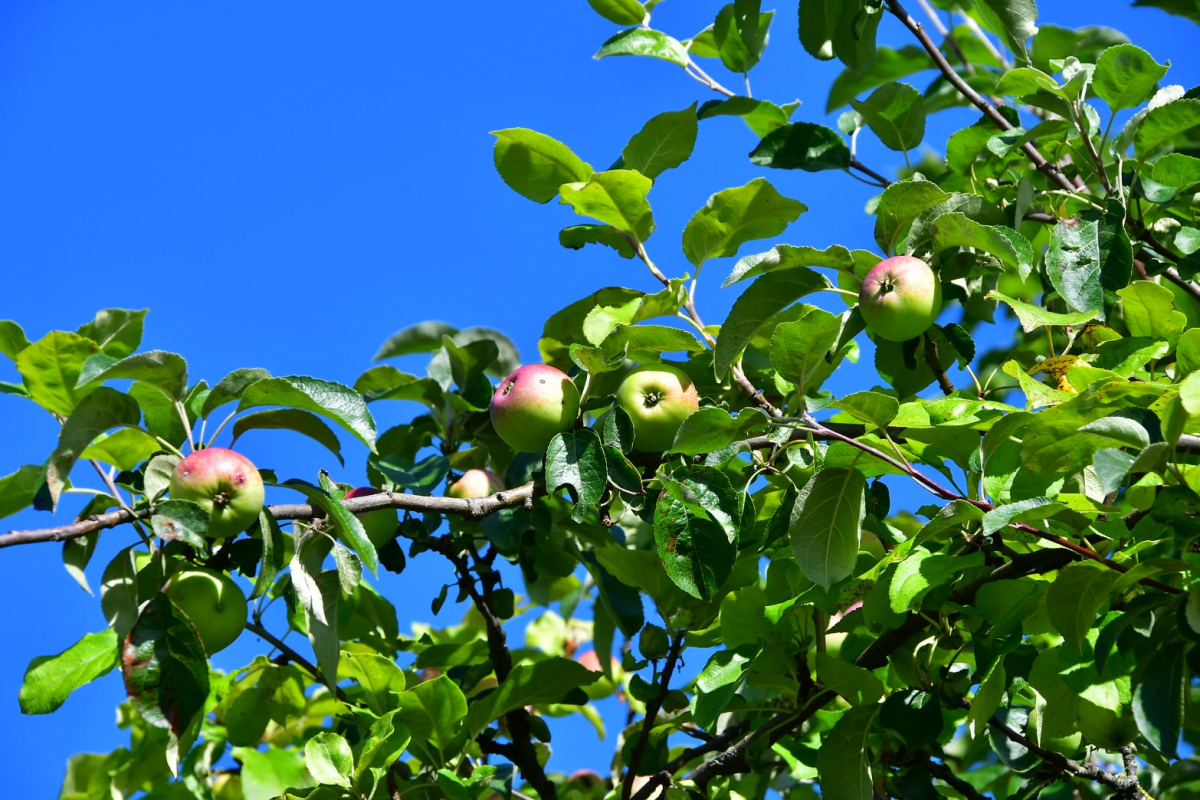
<point>894,112</point>
<point>1126,76</point>
<point>76,554</point>
<point>181,520</point>
<point>1033,317</point>
<point>12,339</point>
<point>786,256</point>
<point>118,592</point>
<point>761,301</point>
<point>622,12</point>
<point>1075,597</point>
<point>899,205</point>
<point>50,369</point>
<point>740,34</point>
<point>818,22</point>
<point>616,197</point>
<point>292,420</point>
<point>329,760</point>
<point>800,349</point>
<point>546,681</point>
<point>124,448</point>
<point>49,680</point>
<point>334,401</point>
<point>576,459</point>
<point>1163,124</point>
<point>987,698</point>
<point>644,42</point>
<point>271,563</point>
<point>534,166</point>
<point>706,491</point>
<point>166,673</point>
<point>890,65</point>
<point>666,141</point>
<point>958,230</point>
<point>706,430</point>
<point>854,35</point>
<point>18,489</point>
<point>385,382</point>
<point>166,372</point>
<point>1014,21</point>
<point>118,331</point>
<point>100,411</point>
<point>733,217</point>
<point>871,407</point>
<point>716,685</point>
<point>1148,310</point>
<point>857,686</point>
<point>424,337</point>
<point>384,744</point>
<point>1177,170</point>
<point>802,145</point>
<point>761,116</point>
<point>574,237</point>
<point>826,524</point>
<point>270,773</point>
<point>696,551</point>
<point>1089,259</point>
<point>921,572</point>
<point>1158,699</point>
<point>1183,8</point>
<point>844,758</point>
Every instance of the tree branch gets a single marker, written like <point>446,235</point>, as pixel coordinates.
<point>946,775</point>
<point>652,708</point>
<point>1125,785</point>
<point>474,508</point>
<point>974,97</point>
<point>935,363</point>
<point>521,752</point>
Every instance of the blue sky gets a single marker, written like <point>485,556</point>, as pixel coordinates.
<point>284,185</point>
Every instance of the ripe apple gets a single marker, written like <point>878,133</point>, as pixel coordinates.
<point>475,483</point>
<point>225,484</point>
<point>533,404</point>
<point>658,398</point>
<point>603,687</point>
<point>900,298</point>
<point>212,601</point>
<point>379,524</point>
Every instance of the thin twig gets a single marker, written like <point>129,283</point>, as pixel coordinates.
<point>935,363</point>
<point>865,170</point>
<point>974,97</point>
<point>652,708</point>
<point>946,775</point>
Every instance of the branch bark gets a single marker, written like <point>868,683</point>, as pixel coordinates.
<point>652,709</point>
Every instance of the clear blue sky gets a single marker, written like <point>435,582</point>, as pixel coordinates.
<point>284,185</point>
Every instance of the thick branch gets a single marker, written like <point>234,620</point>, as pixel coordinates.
<point>475,509</point>
<point>1125,785</point>
<point>521,752</point>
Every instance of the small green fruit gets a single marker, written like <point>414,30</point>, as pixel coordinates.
<point>213,603</point>
<point>379,524</point>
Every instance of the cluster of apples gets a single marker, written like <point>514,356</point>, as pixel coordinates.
<point>536,402</point>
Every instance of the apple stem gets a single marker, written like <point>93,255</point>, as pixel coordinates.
<point>187,425</point>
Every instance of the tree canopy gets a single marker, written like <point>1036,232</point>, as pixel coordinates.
<point>1027,629</point>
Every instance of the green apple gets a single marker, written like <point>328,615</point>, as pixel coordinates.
<point>223,483</point>
<point>1070,746</point>
<point>658,398</point>
<point>1105,715</point>
<point>900,298</point>
<point>475,483</point>
<point>533,404</point>
<point>379,524</point>
<point>212,601</point>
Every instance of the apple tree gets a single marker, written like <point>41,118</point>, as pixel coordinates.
<point>1027,628</point>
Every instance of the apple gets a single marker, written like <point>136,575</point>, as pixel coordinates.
<point>533,404</point>
<point>603,687</point>
<point>223,483</point>
<point>475,483</point>
<point>212,601</point>
<point>1105,716</point>
<point>900,298</point>
<point>1070,746</point>
<point>658,398</point>
<point>379,524</point>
